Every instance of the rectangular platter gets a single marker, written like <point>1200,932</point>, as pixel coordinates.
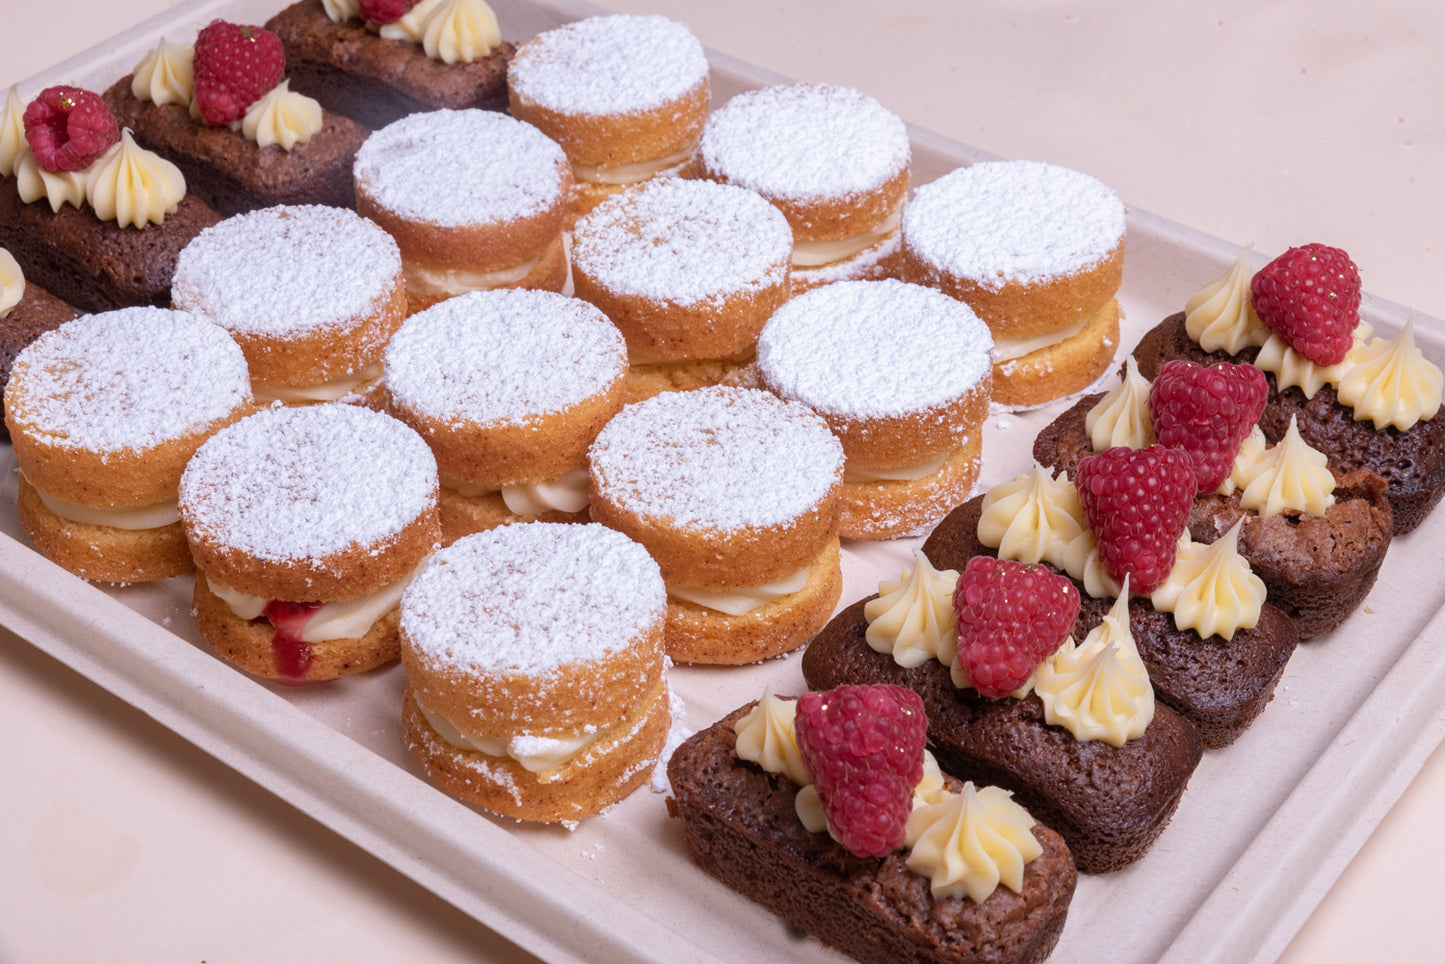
<point>1264,829</point>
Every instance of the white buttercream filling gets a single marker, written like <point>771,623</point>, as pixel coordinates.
<point>741,600</point>
<point>152,516</point>
<point>349,619</point>
<point>332,391</point>
<point>630,173</point>
<point>901,473</point>
<point>536,754</point>
<point>1007,349</point>
<point>568,492</point>
<point>815,254</point>
<point>458,282</point>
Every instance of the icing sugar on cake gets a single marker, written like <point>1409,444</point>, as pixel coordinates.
<point>1021,221</point>
<point>302,483</point>
<point>804,141</point>
<point>533,597</point>
<point>462,167</point>
<point>286,269</point>
<point>609,65</point>
<point>684,241</point>
<point>128,379</point>
<point>717,459</point>
<point>503,356</point>
<point>874,349</point>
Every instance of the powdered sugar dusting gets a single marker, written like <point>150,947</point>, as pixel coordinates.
<point>874,348</point>
<point>609,65</point>
<point>285,270</point>
<point>503,356</point>
<point>460,167</point>
<point>301,483</point>
<point>805,141</point>
<point>717,459</point>
<point>1022,221</point>
<point>128,380</point>
<point>532,598</point>
<point>684,241</point>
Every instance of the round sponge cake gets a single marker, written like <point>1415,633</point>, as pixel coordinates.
<point>625,97</point>
<point>294,509</point>
<point>735,492</point>
<point>690,271</point>
<point>474,199</point>
<point>509,388</point>
<point>534,658</point>
<point>902,375</point>
<point>104,413</point>
<point>1038,251</point>
<point>832,159</point>
<point>310,293</point>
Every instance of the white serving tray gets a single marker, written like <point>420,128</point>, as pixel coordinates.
<point>1264,829</point>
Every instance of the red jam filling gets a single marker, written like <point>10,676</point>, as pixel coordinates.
<point>293,654</point>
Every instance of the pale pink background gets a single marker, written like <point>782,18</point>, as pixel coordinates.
<point>1272,123</point>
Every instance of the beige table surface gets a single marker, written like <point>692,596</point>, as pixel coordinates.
<point>1275,123</point>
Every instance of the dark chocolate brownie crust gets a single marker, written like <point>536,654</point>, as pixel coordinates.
<point>233,173</point>
<point>375,81</point>
<point>740,826</point>
<point>98,265</point>
<point>37,312</point>
<point>1109,803</point>
<point>1218,685</point>
<point>1411,462</point>
<point>1317,569</point>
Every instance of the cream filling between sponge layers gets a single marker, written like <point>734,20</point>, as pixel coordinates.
<point>903,473</point>
<point>816,254</point>
<point>332,391</point>
<point>741,600</point>
<point>1007,349</point>
<point>568,492</point>
<point>154,516</point>
<point>349,619</point>
<point>624,174</point>
<point>535,754</point>
<point>455,281</point>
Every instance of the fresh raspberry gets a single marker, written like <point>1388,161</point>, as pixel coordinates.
<point>385,11</point>
<point>68,128</point>
<point>864,747</point>
<point>235,66</point>
<point>1011,617</point>
<point>1310,297</point>
<point>1207,412</point>
<point>1137,502</point>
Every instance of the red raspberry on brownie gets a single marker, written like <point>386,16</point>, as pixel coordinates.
<point>385,11</point>
<point>1310,297</point>
<point>1137,502</point>
<point>1011,617</point>
<point>235,65</point>
<point>863,746</point>
<point>67,128</point>
<point>1207,412</point>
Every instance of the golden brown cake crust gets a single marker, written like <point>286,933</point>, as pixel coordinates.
<point>103,553</point>
<point>891,508</point>
<point>463,515</point>
<point>609,140</point>
<point>1063,368</point>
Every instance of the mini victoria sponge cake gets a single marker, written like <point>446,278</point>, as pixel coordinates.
<point>735,492</point>
<point>509,388</point>
<point>474,199</point>
<point>306,524</point>
<point>1038,251</point>
<point>833,160</point>
<point>534,661</point>
<point>902,375</point>
<point>690,271</point>
<point>310,293</point>
<point>625,96</point>
<point>104,413</point>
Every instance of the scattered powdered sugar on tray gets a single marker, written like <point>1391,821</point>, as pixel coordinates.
<point>303,483</point>
<point>684,241</point>
<point>461,167</point>
<point>717,459</point>
<point>1022,221</point>
<point>287,269</point>
<point>532,597</point>
<point>802,141</point>
<point>126,380</point>
<point>869,349</point>
<point>503,356</point>
<point>609,65</point>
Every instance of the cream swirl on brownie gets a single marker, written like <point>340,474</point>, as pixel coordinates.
<point>727,488</point>
<point>509,388</point>
<point>104,413</point>
<point>299,518</point>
